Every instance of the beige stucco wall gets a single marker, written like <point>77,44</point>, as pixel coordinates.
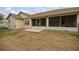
<point>12,23</point>
<point>26,18</point>
<point>27,25</point>
<point>23,15</point>
<point>20,24</point>
<point>16,23</point>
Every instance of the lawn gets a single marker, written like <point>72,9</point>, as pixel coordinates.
<point>20,40</point>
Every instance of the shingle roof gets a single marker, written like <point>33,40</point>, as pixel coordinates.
<point>57,12</point>
<point>74,10</point>
<point>24,13</point>
<point>15,16</point>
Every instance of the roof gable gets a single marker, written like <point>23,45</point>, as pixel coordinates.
<point>24,13</point>
<point>14,15</point>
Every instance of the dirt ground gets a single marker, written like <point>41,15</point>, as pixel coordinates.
<point>19,40</point>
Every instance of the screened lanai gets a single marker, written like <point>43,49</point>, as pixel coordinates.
<point>63,21</point>
<point>39,22</point>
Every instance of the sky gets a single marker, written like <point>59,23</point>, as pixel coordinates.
<point>30,10</point>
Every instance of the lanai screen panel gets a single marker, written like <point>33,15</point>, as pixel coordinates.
<point>43,21</point>
<point>54,21</point>
<point>69,21</point>
<point>39,22</point>
<point>34,22</point>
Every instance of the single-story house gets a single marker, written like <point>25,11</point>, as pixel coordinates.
<point>61,19</point>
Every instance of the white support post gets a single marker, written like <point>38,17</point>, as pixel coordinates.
<point>30,22</point>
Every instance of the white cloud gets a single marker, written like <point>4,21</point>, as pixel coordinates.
<point>8,8</point>
<point>23,10</point>
<point>12,11</point>
<point>26,11</point>
<point>3,14</point>
<point>42,9</point>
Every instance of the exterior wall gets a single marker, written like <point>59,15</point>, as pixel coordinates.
<point>26,17</point>
<point>78,22</point>
<point>12,23</point>
<point>20,24</point>
<point>28,25</point>
<point>23,16</point>
<point>16,23</point>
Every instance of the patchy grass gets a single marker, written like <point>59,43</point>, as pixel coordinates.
<point>75,34</point>
<point>6,32</point>
<point>3,32</point>
<point>47,40</point>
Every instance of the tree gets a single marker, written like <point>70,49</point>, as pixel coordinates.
<point>1,17</point>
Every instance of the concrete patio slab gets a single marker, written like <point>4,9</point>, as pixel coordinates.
<point>34,30</point>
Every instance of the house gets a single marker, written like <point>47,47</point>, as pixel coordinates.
<point>61,19</point>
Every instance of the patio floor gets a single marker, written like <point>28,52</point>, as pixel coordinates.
<point>34,30</point>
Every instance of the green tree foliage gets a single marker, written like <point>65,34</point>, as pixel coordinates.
<point>1,17</point>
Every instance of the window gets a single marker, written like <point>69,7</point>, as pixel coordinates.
<point>26,22</point>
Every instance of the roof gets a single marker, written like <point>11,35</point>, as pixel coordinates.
<point>15,16</point>
<point>74,10</point>
<point>58,12</point>
<point>24,13</point>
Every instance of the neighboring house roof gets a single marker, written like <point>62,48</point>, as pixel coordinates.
<point>24,13</point>
<point>15,16</point>
<point>74,10</point>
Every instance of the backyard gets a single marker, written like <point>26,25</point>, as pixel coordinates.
<point>47,40</point>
